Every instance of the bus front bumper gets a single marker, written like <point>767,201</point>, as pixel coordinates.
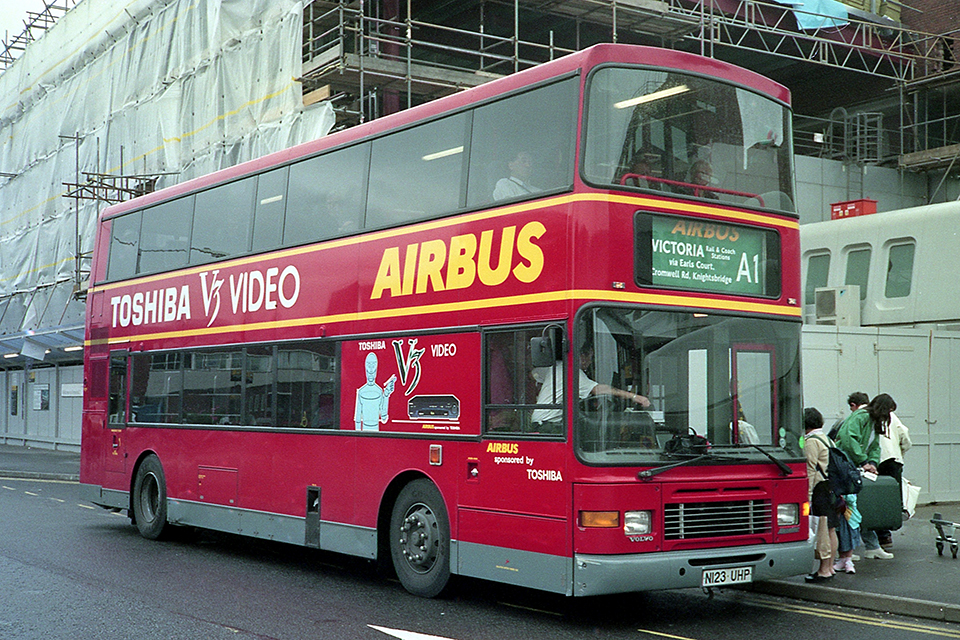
<point>601,574</point>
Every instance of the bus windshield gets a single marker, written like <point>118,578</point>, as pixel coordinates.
<point>682,134</point>
<point>734,381</point>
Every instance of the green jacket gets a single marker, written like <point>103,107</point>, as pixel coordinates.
<point>855,437</point>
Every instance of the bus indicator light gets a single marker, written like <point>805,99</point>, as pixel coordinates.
<point>436,455</point>
<point>599,519</point>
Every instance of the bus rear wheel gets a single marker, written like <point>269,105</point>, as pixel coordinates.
<point>150,499</point>
<point>420,539</point>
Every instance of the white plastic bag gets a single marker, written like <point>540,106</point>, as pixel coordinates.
<point>910,494</point>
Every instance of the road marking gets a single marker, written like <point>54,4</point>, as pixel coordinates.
<point>31,493</point>
<point>42,480</point>
<point>57,500</point>
<point>406,635</point>
<point>859,619</point>
<point>86,506</point>
<point>663,635</point>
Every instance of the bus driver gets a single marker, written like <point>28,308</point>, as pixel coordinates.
<point>587,387</point>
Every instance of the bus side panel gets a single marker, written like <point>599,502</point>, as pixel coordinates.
<point>514,514</point>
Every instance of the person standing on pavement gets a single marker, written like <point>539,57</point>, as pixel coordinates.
<point>855,400</point>
<point>821,496</point>
<point>859,438</point>
<point>893,444</point>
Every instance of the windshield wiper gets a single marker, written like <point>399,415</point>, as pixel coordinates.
<point>649,473</point>
<point>715,455</point>
<point>784,469</point>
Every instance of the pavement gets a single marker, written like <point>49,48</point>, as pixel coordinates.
<point>917,582</point>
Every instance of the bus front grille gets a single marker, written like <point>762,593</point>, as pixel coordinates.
<point>683,521</point>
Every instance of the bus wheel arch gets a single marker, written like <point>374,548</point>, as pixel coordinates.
<point>148,498</point>
<point>416,537</point>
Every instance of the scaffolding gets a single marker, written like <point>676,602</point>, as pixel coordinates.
<point>34,21</point>
<point>374,58</point>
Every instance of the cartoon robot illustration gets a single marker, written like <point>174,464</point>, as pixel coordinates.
<point>373,402</point>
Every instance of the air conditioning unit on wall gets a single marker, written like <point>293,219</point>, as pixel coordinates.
<point>838,305</point>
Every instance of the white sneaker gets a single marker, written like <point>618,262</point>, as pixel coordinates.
<point>877,554</point>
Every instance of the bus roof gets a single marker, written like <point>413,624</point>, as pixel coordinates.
<point>586,59</point>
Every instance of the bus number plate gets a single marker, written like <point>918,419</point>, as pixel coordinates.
<point>723,577</point>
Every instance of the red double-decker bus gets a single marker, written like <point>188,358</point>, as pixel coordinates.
<point>544,332</point>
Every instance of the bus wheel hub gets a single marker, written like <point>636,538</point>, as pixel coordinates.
<point>419,540</point>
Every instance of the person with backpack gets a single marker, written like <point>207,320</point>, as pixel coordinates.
<point>855,400</point>
<point>823,503</point>
<point>859,438</point>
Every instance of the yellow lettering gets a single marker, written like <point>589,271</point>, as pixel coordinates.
<point>734,234</point>
<point>496,275</point>
<point>388,275</point>
<point>461,269</point>
<point>433,254</point>
<point>409,266</point>
<point>503,447</point>
<point>711,229</point>
<point>680,228</point>
<point>529,251</point>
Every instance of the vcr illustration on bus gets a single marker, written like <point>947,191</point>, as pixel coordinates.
<point>544,332</point>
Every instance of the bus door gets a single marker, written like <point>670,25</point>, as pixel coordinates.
<point>514,497</point>
<point>754,392</point>
<point>115,453</point>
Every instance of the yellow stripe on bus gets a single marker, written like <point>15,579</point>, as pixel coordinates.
<point>470,305</point>
<point>324,245</point>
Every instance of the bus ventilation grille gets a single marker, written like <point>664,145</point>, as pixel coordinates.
<point>688,520</point>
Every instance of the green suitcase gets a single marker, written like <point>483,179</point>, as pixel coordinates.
<point>880,504</point>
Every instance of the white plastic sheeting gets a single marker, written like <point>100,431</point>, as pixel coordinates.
<point>179,87</point>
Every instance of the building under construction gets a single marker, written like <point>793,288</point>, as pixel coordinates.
<point>102,103</point>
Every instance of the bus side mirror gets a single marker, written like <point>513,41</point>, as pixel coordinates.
<point>543,352</point>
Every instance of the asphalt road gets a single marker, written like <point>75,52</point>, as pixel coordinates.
<point>69,570</point>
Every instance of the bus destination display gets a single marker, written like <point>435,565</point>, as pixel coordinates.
<point>683,253</point>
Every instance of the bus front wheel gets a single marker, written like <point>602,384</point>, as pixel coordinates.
<point>150,499</point>
<point>420,539</point>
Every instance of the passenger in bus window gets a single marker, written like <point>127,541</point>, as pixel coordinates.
<point>639,174</point>
<point>500,382</point>
<point>701,175</point>
<point>700,179</point>
<point>586,387</point>
<point>517,184</point>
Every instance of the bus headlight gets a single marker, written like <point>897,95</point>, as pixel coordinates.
<point>637,523</point>
<point>788,514</point>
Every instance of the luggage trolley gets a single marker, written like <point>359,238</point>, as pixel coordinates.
<point>943,539</point>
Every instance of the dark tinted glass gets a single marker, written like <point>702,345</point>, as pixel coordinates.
<point>221,221</point>
<point>124,240</point>
<point>165,236</point>
<point>325,196</point>
<point>524,144</point>
<point>417,173</point>
<point>270,205</point>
